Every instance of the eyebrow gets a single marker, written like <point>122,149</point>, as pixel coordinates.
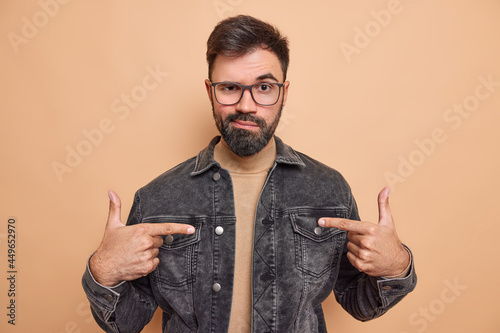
<point>267,76</point>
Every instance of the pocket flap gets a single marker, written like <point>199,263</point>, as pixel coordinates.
<point>307,225</point>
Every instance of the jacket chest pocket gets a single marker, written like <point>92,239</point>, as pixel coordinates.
<point>178,253</point>
<point>317,249</point>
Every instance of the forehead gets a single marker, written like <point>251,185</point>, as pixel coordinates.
<point>247,68</point>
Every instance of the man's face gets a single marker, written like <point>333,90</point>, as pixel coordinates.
<point>247,127</point>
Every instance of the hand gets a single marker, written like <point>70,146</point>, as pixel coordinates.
<point>374,249</point>
<point>129,252</point>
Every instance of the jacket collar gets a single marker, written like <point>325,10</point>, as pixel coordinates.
<point>205,159</point>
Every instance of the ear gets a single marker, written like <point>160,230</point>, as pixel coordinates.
<point>285,91</point>
<point>208,86</point>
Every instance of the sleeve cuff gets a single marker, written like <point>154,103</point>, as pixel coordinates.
<point>105,297</point>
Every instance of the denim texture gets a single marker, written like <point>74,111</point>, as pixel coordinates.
<point>295,265</point>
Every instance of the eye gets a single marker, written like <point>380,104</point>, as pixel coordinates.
<point>228,88</point>
<point>264,87</point>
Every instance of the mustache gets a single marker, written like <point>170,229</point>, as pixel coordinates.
<point>246,117</point>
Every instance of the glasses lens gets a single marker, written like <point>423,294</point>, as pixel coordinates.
<point>266,93</point>
<point>227,93</point>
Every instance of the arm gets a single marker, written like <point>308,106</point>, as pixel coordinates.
<point>376,269</point>
<point>115,280</point>
<point>367,297</point>
<point>127,307</point>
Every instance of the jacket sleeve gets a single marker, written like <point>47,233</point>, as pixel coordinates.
<point>127,307</point>
<point>366,297</point>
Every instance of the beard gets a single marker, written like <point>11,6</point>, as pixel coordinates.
<point>245,142</point>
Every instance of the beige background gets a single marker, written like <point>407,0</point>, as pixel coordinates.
<point>367,103</point>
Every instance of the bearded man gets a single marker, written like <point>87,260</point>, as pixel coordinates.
<point>249,235</point>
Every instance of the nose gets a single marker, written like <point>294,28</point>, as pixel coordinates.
<point>246,103</point>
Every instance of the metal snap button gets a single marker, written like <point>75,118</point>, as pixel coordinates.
<point>169,239</point>
<point>216,287</point>
<point>216,176</point>
<point>318,231</point>
<point>219,230</point>
<point>108,298</point>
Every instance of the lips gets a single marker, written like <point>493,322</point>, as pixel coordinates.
<point>245,124</point>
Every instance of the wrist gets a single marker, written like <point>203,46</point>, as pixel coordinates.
<point>98,272</point>
<point>403,267</point>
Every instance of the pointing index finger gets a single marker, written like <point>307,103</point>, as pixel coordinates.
<point>343,224</point>
<point>158,229</point>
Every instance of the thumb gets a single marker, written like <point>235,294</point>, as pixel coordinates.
<point>384,210</point>
<point>114,216</point>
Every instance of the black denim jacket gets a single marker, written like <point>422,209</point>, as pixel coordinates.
<point>296,263</point>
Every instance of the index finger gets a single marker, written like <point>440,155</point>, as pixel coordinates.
<point>358,227</point>
<point>158,229</point>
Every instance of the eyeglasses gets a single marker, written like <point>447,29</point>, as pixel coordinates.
<point>263,93</point>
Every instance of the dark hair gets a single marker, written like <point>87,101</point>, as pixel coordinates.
<point>238,35</point>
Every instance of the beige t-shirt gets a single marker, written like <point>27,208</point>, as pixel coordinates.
<point>248,175</point>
